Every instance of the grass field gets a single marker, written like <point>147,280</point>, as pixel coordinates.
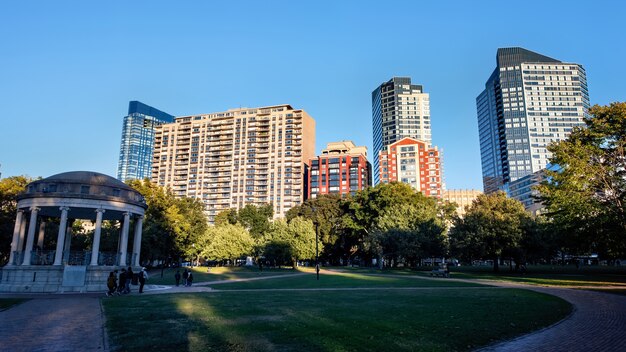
<point>200,274</point>
<point>436,316</point>
<point>343,280</point>
<point>550,275</point>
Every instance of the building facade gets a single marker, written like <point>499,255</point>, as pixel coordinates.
<point>529,101</point>
<point>399,109</point>
<point>462,197</point>
<point>341,169</point>
<point>412,162</point>
<point>523,189</point>
<point>237,157</point>
<point>137,144</point>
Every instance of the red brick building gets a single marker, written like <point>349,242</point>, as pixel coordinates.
<point>412,162</point>
<point>341,169</point>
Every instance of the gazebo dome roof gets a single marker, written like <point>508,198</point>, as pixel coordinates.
<point>84,185</point>
<point>88,178</point>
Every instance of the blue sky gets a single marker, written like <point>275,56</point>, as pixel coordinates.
<point>68,69</point>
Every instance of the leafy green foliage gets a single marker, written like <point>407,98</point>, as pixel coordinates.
<point>172,226</point>
<point>10,188</point>
<point>586,196</point>
<point>493,225</point>
<point>289,241</point>
<point>226,242</point>
<point>410,231</point>
<point>255,219</point>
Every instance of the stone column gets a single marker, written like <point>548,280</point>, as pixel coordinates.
<point>42,231</point>
<point>20,242</point>
<point>96,237</point>
<point>58,256</point>
<point>16,235</point>
<point>137,241</point>
<point>68,236</point>
<point>124,245</point>
<point>34,211</point>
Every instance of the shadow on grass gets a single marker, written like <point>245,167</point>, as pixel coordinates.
<point>327,321</point>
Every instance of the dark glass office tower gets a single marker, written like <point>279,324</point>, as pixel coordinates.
<point>529,101</point>
<point>399,109</point>
<point>138,140</point>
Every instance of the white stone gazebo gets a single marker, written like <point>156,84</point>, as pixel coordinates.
<point>60,199</point>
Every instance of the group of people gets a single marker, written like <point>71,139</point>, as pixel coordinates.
<point>119,283</point>
<point>187,277</point>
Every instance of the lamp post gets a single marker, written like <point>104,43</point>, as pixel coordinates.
<point>317,264</point>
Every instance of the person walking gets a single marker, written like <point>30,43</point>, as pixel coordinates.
<point>189,279</point>
<point>185,276</point>
<point>177,277</point>
<point>143,276</point>
<point>122,281</point>
<point>129,278</point>
<point>111,284</point>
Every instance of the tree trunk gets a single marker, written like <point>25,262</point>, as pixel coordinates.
<point>496,263</point>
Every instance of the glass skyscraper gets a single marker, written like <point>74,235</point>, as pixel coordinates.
<point>137,144</point>
<point>529,101</point>
<point>399,109</point>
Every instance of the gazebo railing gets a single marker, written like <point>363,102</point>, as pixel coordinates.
<point>18,258</point>
<point>77,257</point>
<point>46,257</point>
<point>107,258</point>
<point>42,257</point>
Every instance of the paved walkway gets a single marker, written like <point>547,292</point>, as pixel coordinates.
<point>53,323</point>
<point>598,323</point>
<point>76,322</point>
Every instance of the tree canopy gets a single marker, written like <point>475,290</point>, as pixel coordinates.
<point>10,188</point>
<point>492,226</point>
<point>172,226</point>
<point>226,241</point>
<point>585,190</point>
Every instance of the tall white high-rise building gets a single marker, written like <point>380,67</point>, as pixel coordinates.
<point>529,101</point>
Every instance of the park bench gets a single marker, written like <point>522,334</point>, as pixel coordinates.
<point>440,272</point>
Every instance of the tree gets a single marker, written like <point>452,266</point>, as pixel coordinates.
<point>410,231</point>
<point>10,188</point>
<point>491,227</point>
<point>226,242</point>
<point>172,226</point>
<point>326,212</point>
<point>294,240</point>
<point>585,190</point>
<point>363,212</point>
<point>224,217</point>
<point>256,219</point>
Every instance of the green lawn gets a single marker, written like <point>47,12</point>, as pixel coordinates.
<point>380,320</point>
<point>447,315</point>
<point>6,303</point>
<point>342,280</point>
<point>200,274</point>
<point>550,276</point>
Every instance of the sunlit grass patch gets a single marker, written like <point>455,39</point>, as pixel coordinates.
<point>204,274</point>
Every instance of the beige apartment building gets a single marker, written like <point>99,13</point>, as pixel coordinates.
<point>462,197</point>
<point>237,157</point>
